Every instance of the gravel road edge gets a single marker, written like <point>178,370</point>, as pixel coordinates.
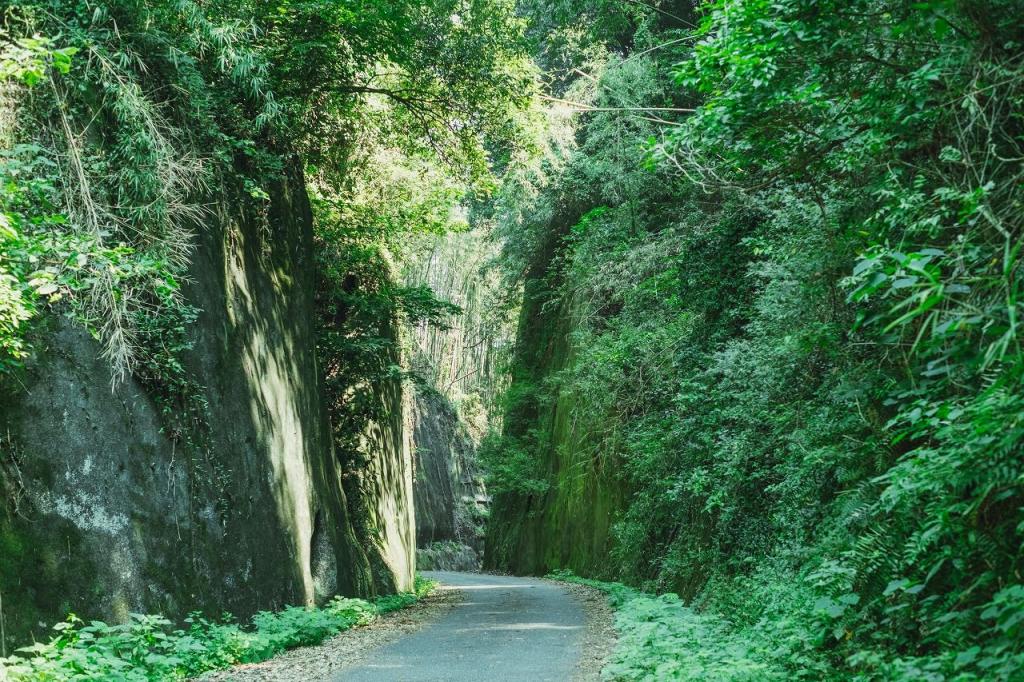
<point>600,635</point>
<point>345,649</point>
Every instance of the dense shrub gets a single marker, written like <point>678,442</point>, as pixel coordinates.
<point>660,638</point>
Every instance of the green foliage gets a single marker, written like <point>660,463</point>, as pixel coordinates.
<point>29,59</point>
<point>791,329</point>
<point>31,255</point>
<point>512,465</point>
<point>448,89</point>
<point>99,223</point>
<point>360,309</point>
<point>424,586</point>
<point>152,103</point>
<point>149,648</point>
<point>659,638</point>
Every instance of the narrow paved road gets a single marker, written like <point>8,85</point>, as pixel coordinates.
<point>506,629</point>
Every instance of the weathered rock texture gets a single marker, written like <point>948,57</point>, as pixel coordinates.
<point>380,489</point>
<point>107,510</point>
<point>449,494</point>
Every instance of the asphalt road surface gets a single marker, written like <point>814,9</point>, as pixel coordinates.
<point>505,629</point>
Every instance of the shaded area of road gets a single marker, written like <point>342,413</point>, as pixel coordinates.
<point>505,629</point>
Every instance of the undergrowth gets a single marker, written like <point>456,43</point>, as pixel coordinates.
<point>149,647</point>
<point>773,364</point>
<point>661,638</point>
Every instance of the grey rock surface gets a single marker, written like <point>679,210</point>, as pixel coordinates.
<point>448,489</point>
<point>447,556</point>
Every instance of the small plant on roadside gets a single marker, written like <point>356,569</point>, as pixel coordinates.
<point>148,648</point>
<point>661,638</point>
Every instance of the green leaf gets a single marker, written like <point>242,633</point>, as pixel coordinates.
<point>967,657</point>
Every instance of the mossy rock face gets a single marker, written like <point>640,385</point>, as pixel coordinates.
<point>379,491</point>
<point>43,570</point>
<point>569,525</point>
<point>110,509</point>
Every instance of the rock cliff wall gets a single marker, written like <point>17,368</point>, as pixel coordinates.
<point>463,365</point>
<point>566,521</point>
<point>109,508</point>
<point>380,487</point>
<point>449,493</point>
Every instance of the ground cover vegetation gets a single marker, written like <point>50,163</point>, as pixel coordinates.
<point>660,637</point>
<point>149,648</point>
<point>785,237</point>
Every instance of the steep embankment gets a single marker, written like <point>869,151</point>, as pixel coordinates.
<point>560,500</point>
<point>111,509</point>
<point>787,320</point>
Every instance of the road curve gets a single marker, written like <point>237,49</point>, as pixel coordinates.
<point>506,629</point>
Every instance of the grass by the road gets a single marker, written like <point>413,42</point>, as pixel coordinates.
<point>149,648</point>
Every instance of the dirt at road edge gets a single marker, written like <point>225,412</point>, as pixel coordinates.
<point>600,635</point>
